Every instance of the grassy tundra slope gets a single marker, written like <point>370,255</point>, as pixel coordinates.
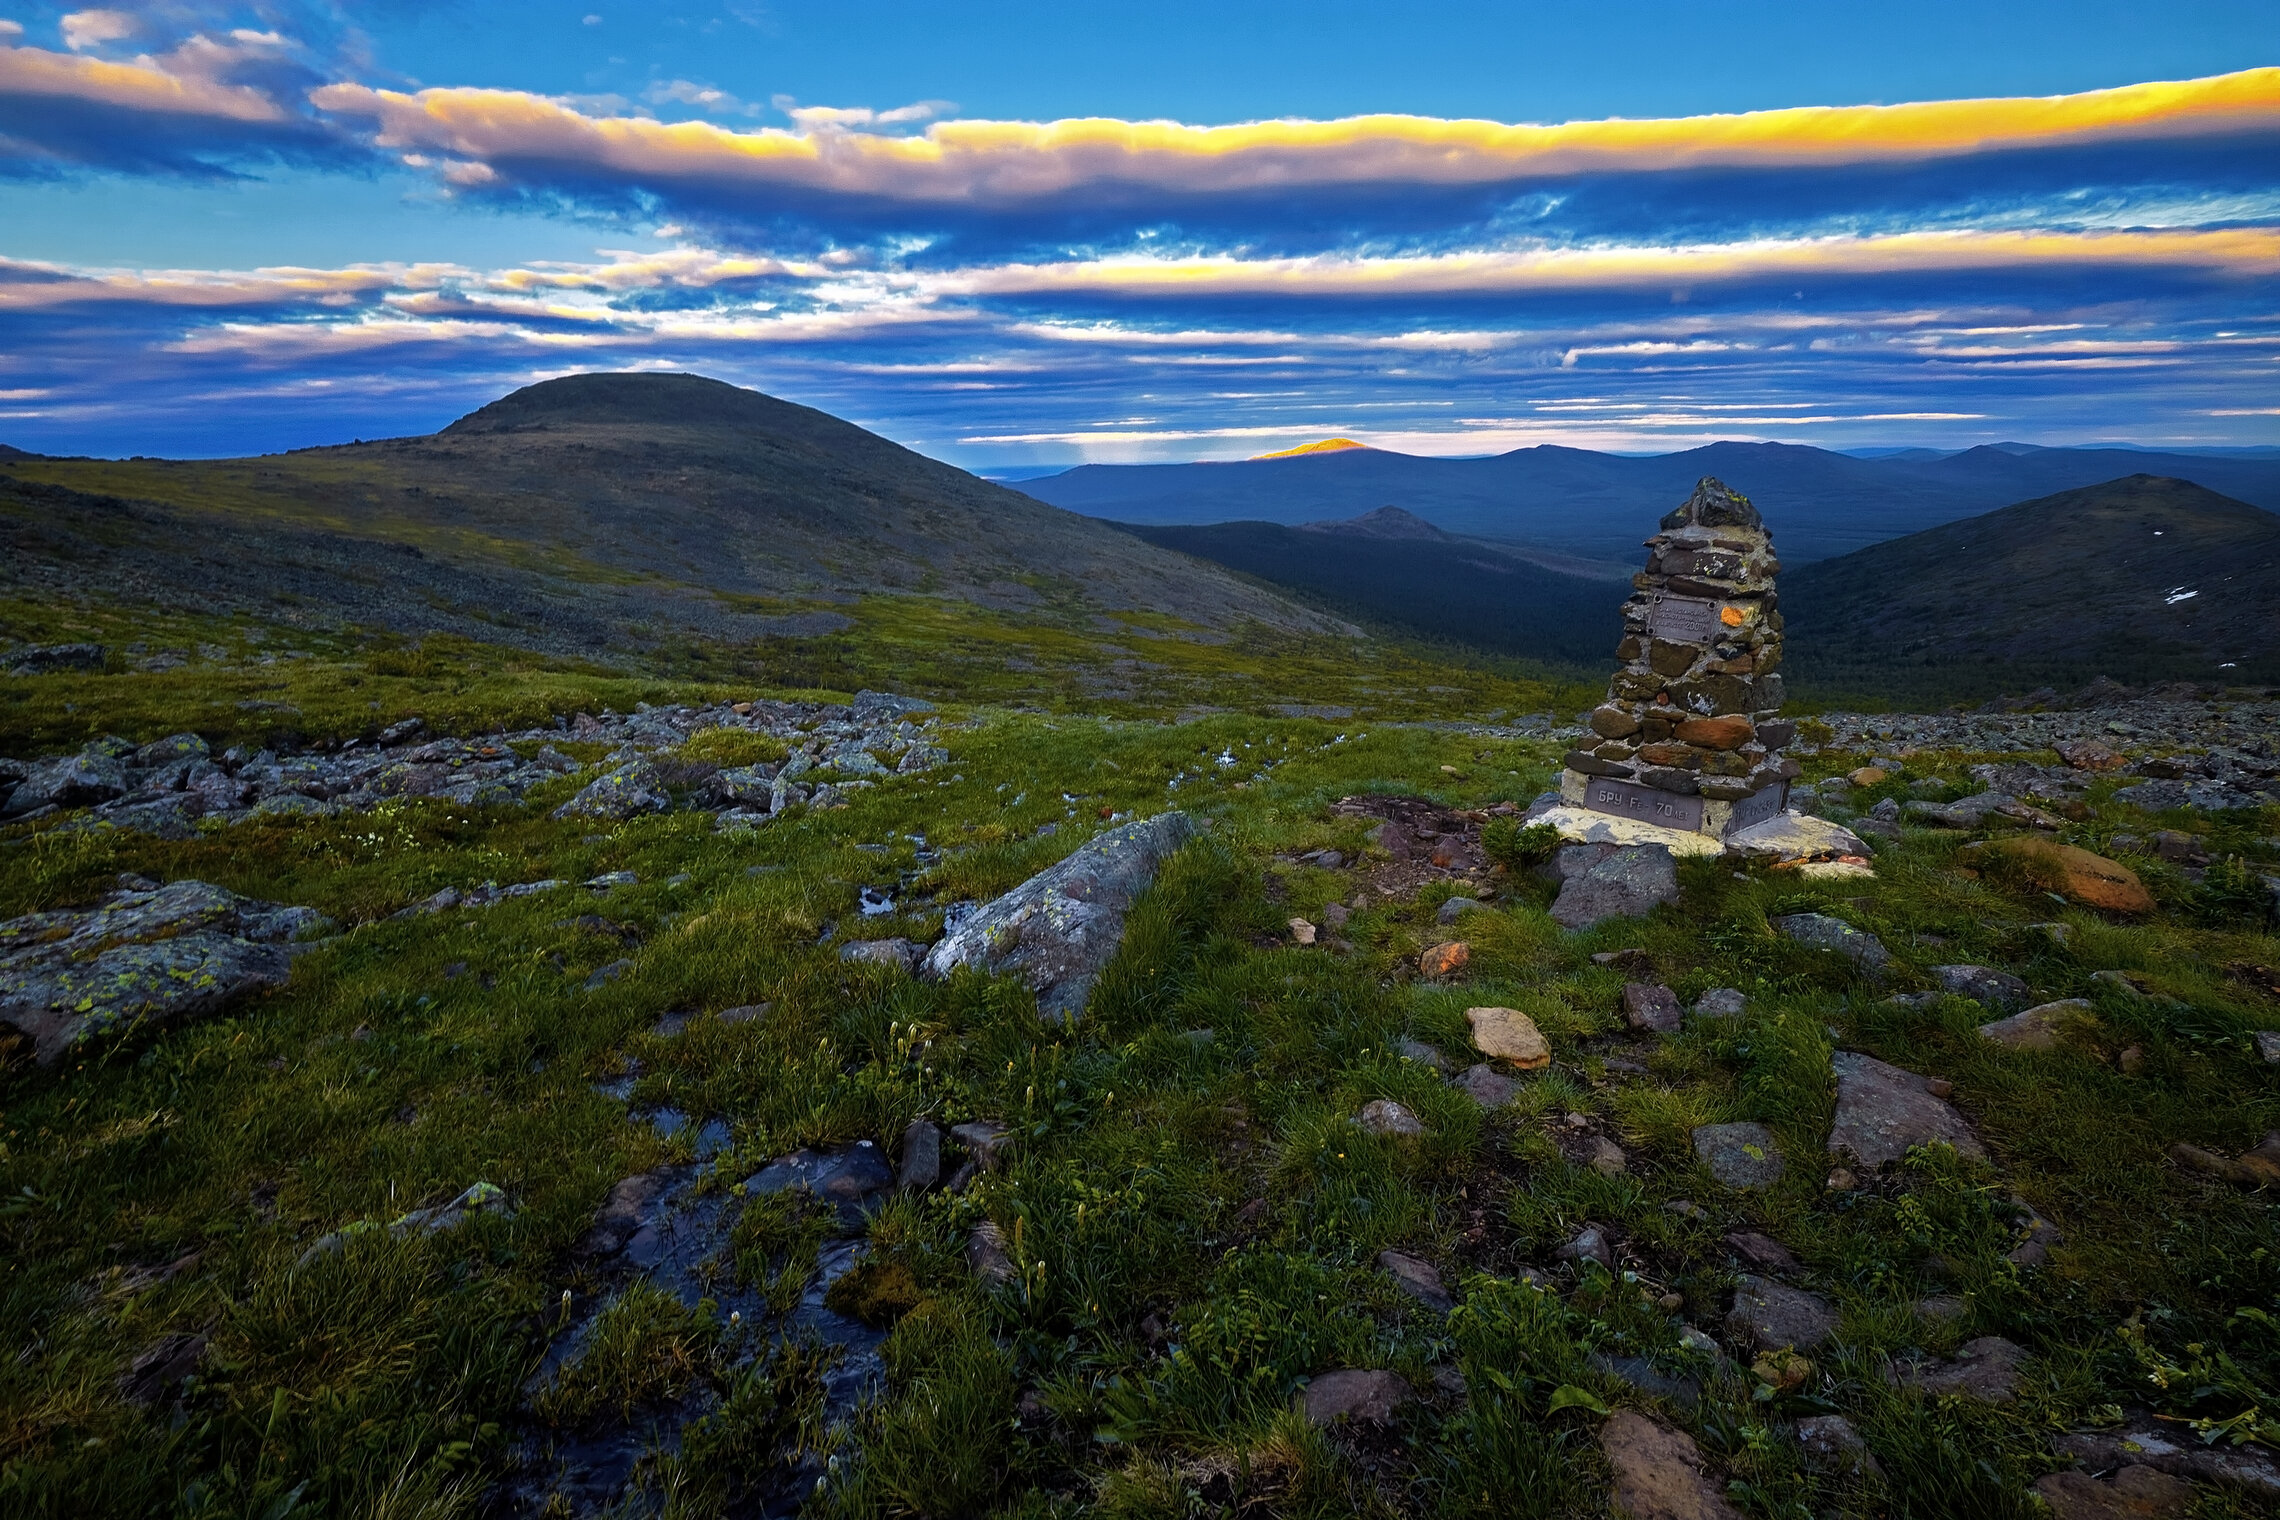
<point>1191,1217</point>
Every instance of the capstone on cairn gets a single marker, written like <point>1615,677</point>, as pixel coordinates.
<point>1689,736</point>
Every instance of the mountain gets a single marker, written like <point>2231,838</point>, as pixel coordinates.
<point>1398,571</point>
<point>2144,578</point>
<point>596,510</point>
<point>1385,522</point>
<point>1818,503</point>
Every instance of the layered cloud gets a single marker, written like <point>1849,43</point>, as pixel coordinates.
<point>2094,264</point>
<point>543,141</point>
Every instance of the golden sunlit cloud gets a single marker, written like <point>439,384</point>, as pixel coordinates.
<point>1006,161</point>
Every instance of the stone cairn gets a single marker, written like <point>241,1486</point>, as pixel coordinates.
<point>1688,736</point>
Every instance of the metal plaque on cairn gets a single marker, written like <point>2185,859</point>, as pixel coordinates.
<point>1690,735</point>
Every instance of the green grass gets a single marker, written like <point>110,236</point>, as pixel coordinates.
<point>1192,1216</point>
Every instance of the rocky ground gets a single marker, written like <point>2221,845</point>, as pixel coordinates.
<point>858,1109</point>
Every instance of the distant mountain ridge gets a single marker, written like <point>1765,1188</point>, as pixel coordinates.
<point>2145,578</point>
<point>597,510</point>
<point>1818,503</point>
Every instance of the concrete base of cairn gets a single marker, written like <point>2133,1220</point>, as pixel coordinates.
<point>1689,738</point>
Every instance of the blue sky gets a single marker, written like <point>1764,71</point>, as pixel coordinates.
<point>1028,235</point>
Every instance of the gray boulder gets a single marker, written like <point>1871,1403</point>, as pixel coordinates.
<point>1982,984</point>
<point>1770,1316</point>
<point>621,792</point>
<point>1883,1111</point>
<point>1822,932</point>
<point>158,956</point>
<point>1739,1155</point>
<point>1487,1086</point>
<point>1059,928</point>
<point>47,659</point>
<point>97,773</point>
<point>1986,1369</point>
<point>901,954</point>
<point>1356,1395</point>
<point>1599,882</point>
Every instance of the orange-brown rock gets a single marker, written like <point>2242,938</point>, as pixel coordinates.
<point>1445,960</point>
<point>2091,880</point>
<point>1728,732</point>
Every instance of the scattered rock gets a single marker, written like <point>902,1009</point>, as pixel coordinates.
<point>1644,1376</point>
<point>478,1198</point>
<point>604,975</point>
<point>2037,1236</point>
<point>1832,1445</point>
<point>1302,931</point>
<point>1773,1317</point>
<point>1445,960</point>
<point>899,953</point>
<point>1739,1155</point>
<point>1356,1396</point>
<point>2091,880</point>
<point>47,659</point>
<point>1986,1369</point>
<point>1762,1251</point>
<point>1659,1473</point>
<point>1383,1116</point>
<point>1060,927</point>
<point>1487,1086</point>
<point>1419,1279</point>
<point>1821,932</point>
<point>2268,1046</point>
<point>1624,882</point>
<point>623,791</point>
<point>157,956</point>
<point>921,1166</point>
<point>1651,1007</point>
<point>2135,1492</point>
<point>1451,910</point>
<point>1335,916</point>
<point>2146,1442</point>
<point>162,1366</point>
<point>2043,1027</point>
<point>1588,1244</point>
<point>1604,1156</point>
<point>1507,1034</point>
<point>1982,984</point>
<point>1423,1054</point>
<point>1883,1111</point>
<point>1720,1003</point>
<point>986,1255</point>
<point>2090,755</point>
<point>989,1143</point>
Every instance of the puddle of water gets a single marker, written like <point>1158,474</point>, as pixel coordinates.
<point>683,1249</point>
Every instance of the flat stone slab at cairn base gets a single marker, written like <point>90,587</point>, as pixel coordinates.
<point>1795,837</point>
<point>1883,1111</point>
<point>1059,928</point>
<point>1579,825</point>
<point>1689,737</point>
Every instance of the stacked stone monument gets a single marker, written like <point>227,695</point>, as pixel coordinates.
<point>1689,737</point>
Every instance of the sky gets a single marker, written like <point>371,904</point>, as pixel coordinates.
<point>1025,236</point>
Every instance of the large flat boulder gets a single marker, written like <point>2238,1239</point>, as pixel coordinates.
<point>2091,880</point>
<point>1615,882</point>
<point>1771,1316</point>
<point>1822,932</point>
<point>1059,928</point>
<point>158,955</point>
<point>1883,1112</point>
